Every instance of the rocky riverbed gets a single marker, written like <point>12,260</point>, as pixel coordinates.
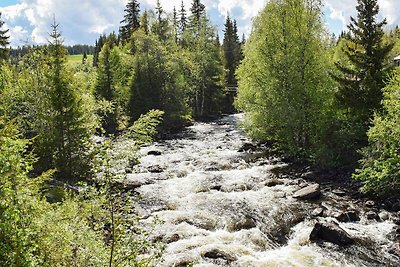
<point>222,206</point>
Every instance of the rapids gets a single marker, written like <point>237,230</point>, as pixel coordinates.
<point>216,209</point>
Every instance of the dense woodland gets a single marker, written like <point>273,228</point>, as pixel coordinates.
<point>332,101</point>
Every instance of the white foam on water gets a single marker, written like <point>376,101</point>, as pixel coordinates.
<point>210,198</point>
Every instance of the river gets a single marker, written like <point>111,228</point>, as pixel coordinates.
<point>219,209</point>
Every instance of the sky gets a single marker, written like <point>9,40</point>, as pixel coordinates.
<point>82,21</point>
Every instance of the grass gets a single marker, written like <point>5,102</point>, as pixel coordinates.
<point>77,59</point>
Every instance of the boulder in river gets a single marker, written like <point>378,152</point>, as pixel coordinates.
<point>371,215</point>
<point>155,169</point>
<point>273,182</point>
<point>219,254</point>
<point>348,216</point>
<point>154,153</point>
<point>173,238</point>
<point>309,192</point>
<point>330,232</point>
<point>370,204</point>
<point>247,147</point>
<point>317,212</point>
<point>384,215</point>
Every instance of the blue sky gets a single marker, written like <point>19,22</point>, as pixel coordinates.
<point>4,3</point>
<point>82,21</point>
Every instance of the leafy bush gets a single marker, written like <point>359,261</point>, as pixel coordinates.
<point>380,166</point>
<point>92,227</point>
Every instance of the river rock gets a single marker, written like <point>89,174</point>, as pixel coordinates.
<point>155,169</point>
<point>154,153</point>
<point>330,232</point>
<point>370,203</point>
<point>317,212</point>
<point>384,215</point>
<point>309,192</point>
<point>273,182</point>
<point>247,147</point>
<point>339,193</point>
<point>244,223</point>
<point>348,216</point>
<point>219,254</point>
<point>173,238</point>
<point>134,181</point>
<point>371,215</point>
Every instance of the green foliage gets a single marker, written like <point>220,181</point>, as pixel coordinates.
<point>131,20</point>
<point>144,129</point>
<point>149,74</point>
<point>158,81</point>
<point>232,51</point>
<point>380,165</point>
<point>92,227</point>
<point>67,144</point>
<point>284,85</point>
<point>18,201</point>
<point>4,41</point>
<point>205,79</point>
<point>362,71</point>
<point>105,88</point>
<point>127,242</point>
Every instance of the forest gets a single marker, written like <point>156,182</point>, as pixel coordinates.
<point>333,101</point>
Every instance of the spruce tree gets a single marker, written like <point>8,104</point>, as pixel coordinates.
<point>232,57</point>
<point>131,20</point>
<point>232,50</point>
<point>175,24</point>
<point>183,19</point>
<point>67,142</point>
<point>360,91</point>
<point>198,11</point>
<point>105,88</point>
<point>4,41</point>
<point>160,28</point>
<point>144,22</point>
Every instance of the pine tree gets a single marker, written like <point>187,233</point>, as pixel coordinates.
<point>175,24</point>
<point>232,57</point>
<point>144,22</point>
<point>130,23</point>
<point>361,84</point>
<point>4,41</point>
<point>229,51</point>
<point>68,139</point>
<point>148,81</point>
<point>160,28</point>
<point>183,19</point>
<point>96,54</point>
<point>197,9</point>
<point>112,39</point>
<point>197,13</point>
<point>105,88</point>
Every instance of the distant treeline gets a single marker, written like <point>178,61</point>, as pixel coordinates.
<point>72,50</point>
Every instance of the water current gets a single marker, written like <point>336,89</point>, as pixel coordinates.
<point>219,209</point>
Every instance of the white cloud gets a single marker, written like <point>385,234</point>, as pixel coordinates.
<point>250,8</point>
<point>343,9</point>
<point>81,21</point>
